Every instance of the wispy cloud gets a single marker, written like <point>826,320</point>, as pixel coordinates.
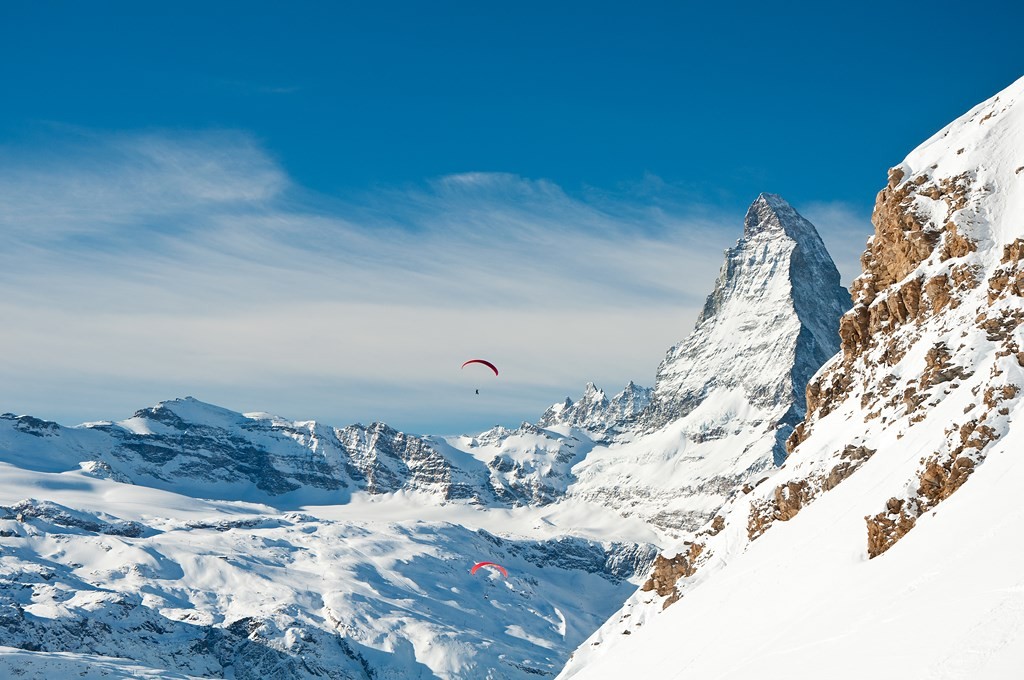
<point>141,267</point>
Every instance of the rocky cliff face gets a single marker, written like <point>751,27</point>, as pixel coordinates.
<point>901,480</point>
<point>938,308</point>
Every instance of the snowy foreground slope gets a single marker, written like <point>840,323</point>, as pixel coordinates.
<point>889,544</point>
<point>212,543</point>
<point>207,588</point>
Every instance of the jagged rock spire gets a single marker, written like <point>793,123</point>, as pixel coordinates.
<point>767,326</point>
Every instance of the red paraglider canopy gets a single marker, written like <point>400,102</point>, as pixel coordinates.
<point>489,564</point>
<point>486,363</point>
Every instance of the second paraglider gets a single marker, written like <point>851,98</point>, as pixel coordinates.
<point>492,565</point>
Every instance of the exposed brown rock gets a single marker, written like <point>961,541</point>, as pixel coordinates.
<point>1013,252</point>
<point>825,392</point>
<point>965,277</point>
<point>888,382</point>
<point>790,498</point>
<point>893,351</point>
<point>668,570</point>
<point>885,528</point>
<point>977,437</point>
<point>902,238</point>
<point>999,327</point>
<point>895,309</point>
<point>798,434</point>
<point>1008,279</point>
<point>938,291</point>
<point>955,244</point>
<point>939,367</point>
<point>937,483</point>
<point>1005,281</point>
<point>941,476</point>
<point>857,454</point>
<point>994,395</point>
<point>895,176</point>
<point>762,515</point>
<point>717,525</point>
<point>853,331</point>
<point>852,458</point>
<point>912,398</point>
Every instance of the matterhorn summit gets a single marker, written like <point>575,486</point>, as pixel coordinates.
<point>765,329</point>
<point>727,397</point>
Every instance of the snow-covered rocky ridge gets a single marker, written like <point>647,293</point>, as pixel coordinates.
<point>602,417</point>
<point>670,456</point>
<point>188,446</point>
<point>889,543</point>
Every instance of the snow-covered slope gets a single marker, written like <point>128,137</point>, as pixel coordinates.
<point>106,569</point>
<point>889,543</point>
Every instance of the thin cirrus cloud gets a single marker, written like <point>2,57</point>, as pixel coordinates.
<point>145,267</point>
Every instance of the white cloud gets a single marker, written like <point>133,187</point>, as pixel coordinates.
<point>147,267</point>
<point>125,186</point>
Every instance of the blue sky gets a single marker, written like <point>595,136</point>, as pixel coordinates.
<point>313,208</point>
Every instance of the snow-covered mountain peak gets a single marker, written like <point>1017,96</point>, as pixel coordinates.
<point>767,325</point>
<point>595,412</point>
<point>728,395</point>
<point>186,410</point>
<point>771,212</point>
